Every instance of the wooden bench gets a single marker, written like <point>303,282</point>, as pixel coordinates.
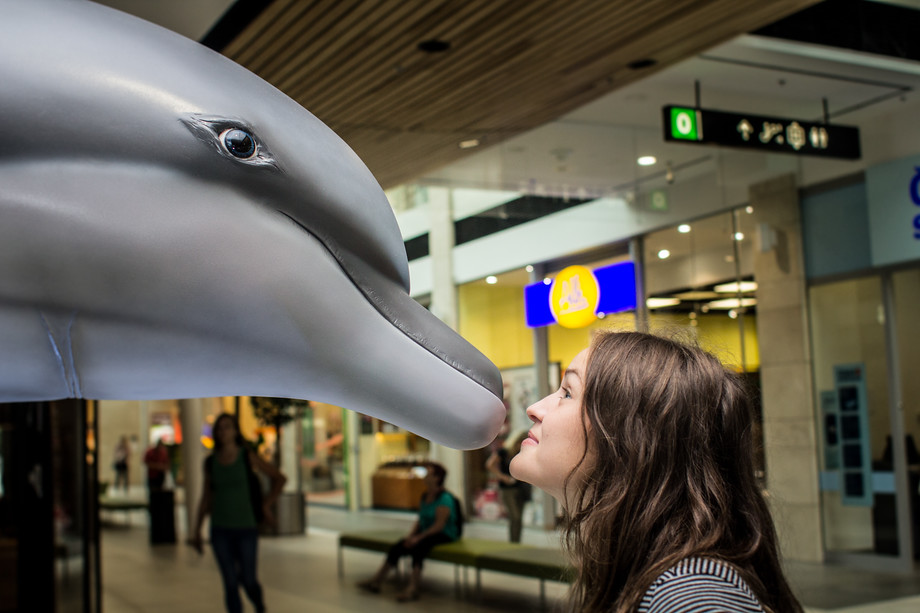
<point>111,503</point>
<point>541,563</point>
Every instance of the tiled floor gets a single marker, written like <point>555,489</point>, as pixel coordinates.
<point>299,574</point>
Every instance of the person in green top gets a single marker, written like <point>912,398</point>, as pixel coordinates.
<point>228,498</point>
<point>438,522</point>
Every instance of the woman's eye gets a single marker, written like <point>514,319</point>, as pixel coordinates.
<point>239,143</point>
<point>566,393</point>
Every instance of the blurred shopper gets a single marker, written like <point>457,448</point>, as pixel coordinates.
<point>120,463</point>
<point>515,494</point>
<point>232,496</point>
<point>157,460</point>
<point>439,521</point>
<point>647,445</point>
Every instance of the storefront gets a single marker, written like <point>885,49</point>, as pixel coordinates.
<point>863,294</point>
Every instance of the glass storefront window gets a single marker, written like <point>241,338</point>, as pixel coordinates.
<point>851,382</point>
<point>907,297</point>
<point>322,461</point>
<point>699,282</point>
<point>387,456</point>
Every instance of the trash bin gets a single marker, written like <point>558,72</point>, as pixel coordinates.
<point>162,506</point>
<point>290,515</point>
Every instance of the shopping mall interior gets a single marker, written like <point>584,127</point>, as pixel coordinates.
<point>525,147</point>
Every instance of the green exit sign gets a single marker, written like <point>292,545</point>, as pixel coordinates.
<point>686,124</point>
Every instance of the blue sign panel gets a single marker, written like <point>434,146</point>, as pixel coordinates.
<point>893,191</point>
<point>618,287</point>
<point>617,293</point>
<point>536,305</point>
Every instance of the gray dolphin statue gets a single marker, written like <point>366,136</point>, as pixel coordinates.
<point>172,226</point>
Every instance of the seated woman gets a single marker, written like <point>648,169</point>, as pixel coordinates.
<point>438,523</point>
<point>647,445</point>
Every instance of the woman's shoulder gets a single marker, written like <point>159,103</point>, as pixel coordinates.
<point>443,498</point>
<point>700,584</point>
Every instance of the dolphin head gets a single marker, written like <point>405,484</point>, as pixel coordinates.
<point>173,226</point>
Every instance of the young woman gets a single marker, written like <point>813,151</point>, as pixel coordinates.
<point>647,446</point>
<point>228,498</point>
<point>120,463</point>
<point>437,523</point>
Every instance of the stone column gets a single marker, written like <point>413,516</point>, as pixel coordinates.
<point>789,428</point>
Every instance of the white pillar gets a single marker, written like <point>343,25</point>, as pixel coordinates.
<point>440,248</point>
<point>353,458</point>
<point>190,415</point>
<point>444,307</point>
<point>290,454</point>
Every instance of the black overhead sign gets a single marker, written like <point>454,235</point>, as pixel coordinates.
<point>701,126</point>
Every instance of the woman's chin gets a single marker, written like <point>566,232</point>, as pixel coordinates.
<point>518,468</point>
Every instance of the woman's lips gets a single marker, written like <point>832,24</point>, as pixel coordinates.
<point>530,440</point>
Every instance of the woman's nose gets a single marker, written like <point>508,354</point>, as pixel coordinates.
<point>536,411</point>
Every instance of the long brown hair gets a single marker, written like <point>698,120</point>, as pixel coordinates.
<point>670,475</point>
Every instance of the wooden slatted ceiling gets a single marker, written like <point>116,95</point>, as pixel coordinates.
<point>512,64</point>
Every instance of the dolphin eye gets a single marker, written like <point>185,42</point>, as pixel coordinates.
<point>232,138</point>
<point>239,143</point>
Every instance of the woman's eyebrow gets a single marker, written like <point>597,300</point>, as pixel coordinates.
<point>573,372</point>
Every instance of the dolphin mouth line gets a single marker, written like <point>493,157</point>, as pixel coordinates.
<point>59,332</point>
<point>403,313</point>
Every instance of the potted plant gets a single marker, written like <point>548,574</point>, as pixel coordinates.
<point>290,509</point>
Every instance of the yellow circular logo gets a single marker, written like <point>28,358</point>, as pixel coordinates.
<point>573,297</point>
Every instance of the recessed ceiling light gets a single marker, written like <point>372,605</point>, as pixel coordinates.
<point>643,63</point>
<point>731,303</point>
<point>547,281</point>
<point>469,144</point>
<point>732,288</point>
<point>664,254</point>
<point>433,46</point>
<point>683,228</point>
<point>528,268</point>
<point>749,209</point>
<point>657,303</point>
<point>697,295</point>
<point>491,279</point>
<point>646,160</point>
<point>739,236</point>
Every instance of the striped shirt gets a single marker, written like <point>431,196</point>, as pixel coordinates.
<point>699,585</point>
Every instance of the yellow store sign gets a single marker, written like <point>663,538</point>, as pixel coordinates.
<point>574,296</point>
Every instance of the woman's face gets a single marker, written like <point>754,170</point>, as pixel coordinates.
<point>225,431</point>
<point>557,439</point>
<point>431,480</point>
